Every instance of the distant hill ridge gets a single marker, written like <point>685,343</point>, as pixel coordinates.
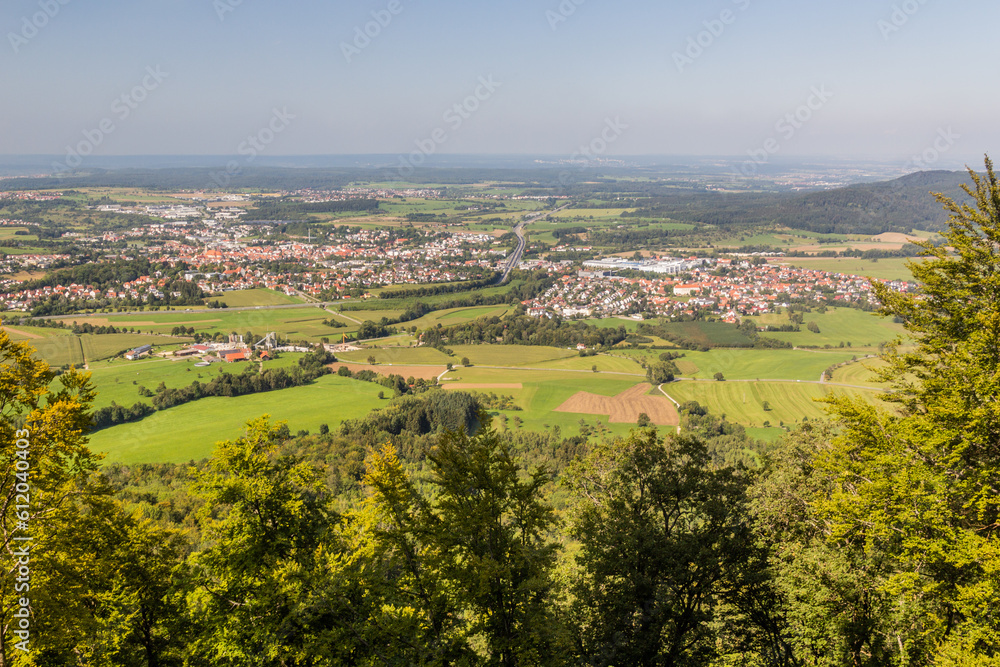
<point>900,205</point>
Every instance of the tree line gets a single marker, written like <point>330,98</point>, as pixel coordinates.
<point>519,329</point>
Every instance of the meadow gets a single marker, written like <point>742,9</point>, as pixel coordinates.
<point>743,402</point>
<point>837,325</point>
<point>613,323</point>
<point>118,380</point>
<point>880,269</point>
<point>256,297</point>
<point>861,373</point>
<point>542,391</point>
<point>61,347</point>
<point>805,365</point>
<point>294,323</point>
<point>189,432</point>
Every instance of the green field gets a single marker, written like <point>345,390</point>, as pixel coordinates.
<point>59,350</point>
<point>294,323</point>
<point>189,432</point>
<point>708,333</point>
<point>544,390</point>
<point>882,269</point>
<point>399,356</point>
<point>836,325</point>
<point>118,380</point>
<point>454,316</point>
<point>738,364</point>
<point>614,323</point>
<point>743,402</point>
<point>96,348</point>
<point>510,355</point>
<point>34,333</point>
<point>591,212</point>
<point>8,233</point>
<point>256,297</point>
<point>861,373</point>
<point>369,315</point>
<point>489,355</point>
<point>604,363</point>
<point>459,315</point>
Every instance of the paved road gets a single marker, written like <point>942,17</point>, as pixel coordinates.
<point>521,242</point>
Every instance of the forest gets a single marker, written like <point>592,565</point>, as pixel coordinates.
<point>423,535</point>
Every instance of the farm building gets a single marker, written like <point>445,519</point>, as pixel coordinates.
<point>236,355</point>
<point>140,351</point>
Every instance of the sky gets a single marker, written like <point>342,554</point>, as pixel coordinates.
<point>912,81</point>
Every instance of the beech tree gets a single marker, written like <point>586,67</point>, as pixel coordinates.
<point>657,526</point>
<point>485,538</point>
<point>268,523</point>
<point>892,553</point>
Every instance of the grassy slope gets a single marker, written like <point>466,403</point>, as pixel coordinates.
<point>836,325</point>
<point>762,364</point>
<point>543,391</point>
<point>743,401</point>
<point>860,373</point>
<point>119,380</point>
<point>190,431</point>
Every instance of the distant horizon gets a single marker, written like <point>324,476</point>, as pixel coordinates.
<point>946,163</point>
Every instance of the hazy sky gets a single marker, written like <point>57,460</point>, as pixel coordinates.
<point>885,78</point>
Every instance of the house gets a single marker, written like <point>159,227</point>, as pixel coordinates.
<point>140,351</point>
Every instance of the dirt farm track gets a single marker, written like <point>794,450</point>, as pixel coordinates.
<point>625,407</point>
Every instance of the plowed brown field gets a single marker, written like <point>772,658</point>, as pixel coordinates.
<point>625,407</point>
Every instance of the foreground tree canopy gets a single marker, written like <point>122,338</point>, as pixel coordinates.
<point>884,537</point>
<point>868,540</point>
